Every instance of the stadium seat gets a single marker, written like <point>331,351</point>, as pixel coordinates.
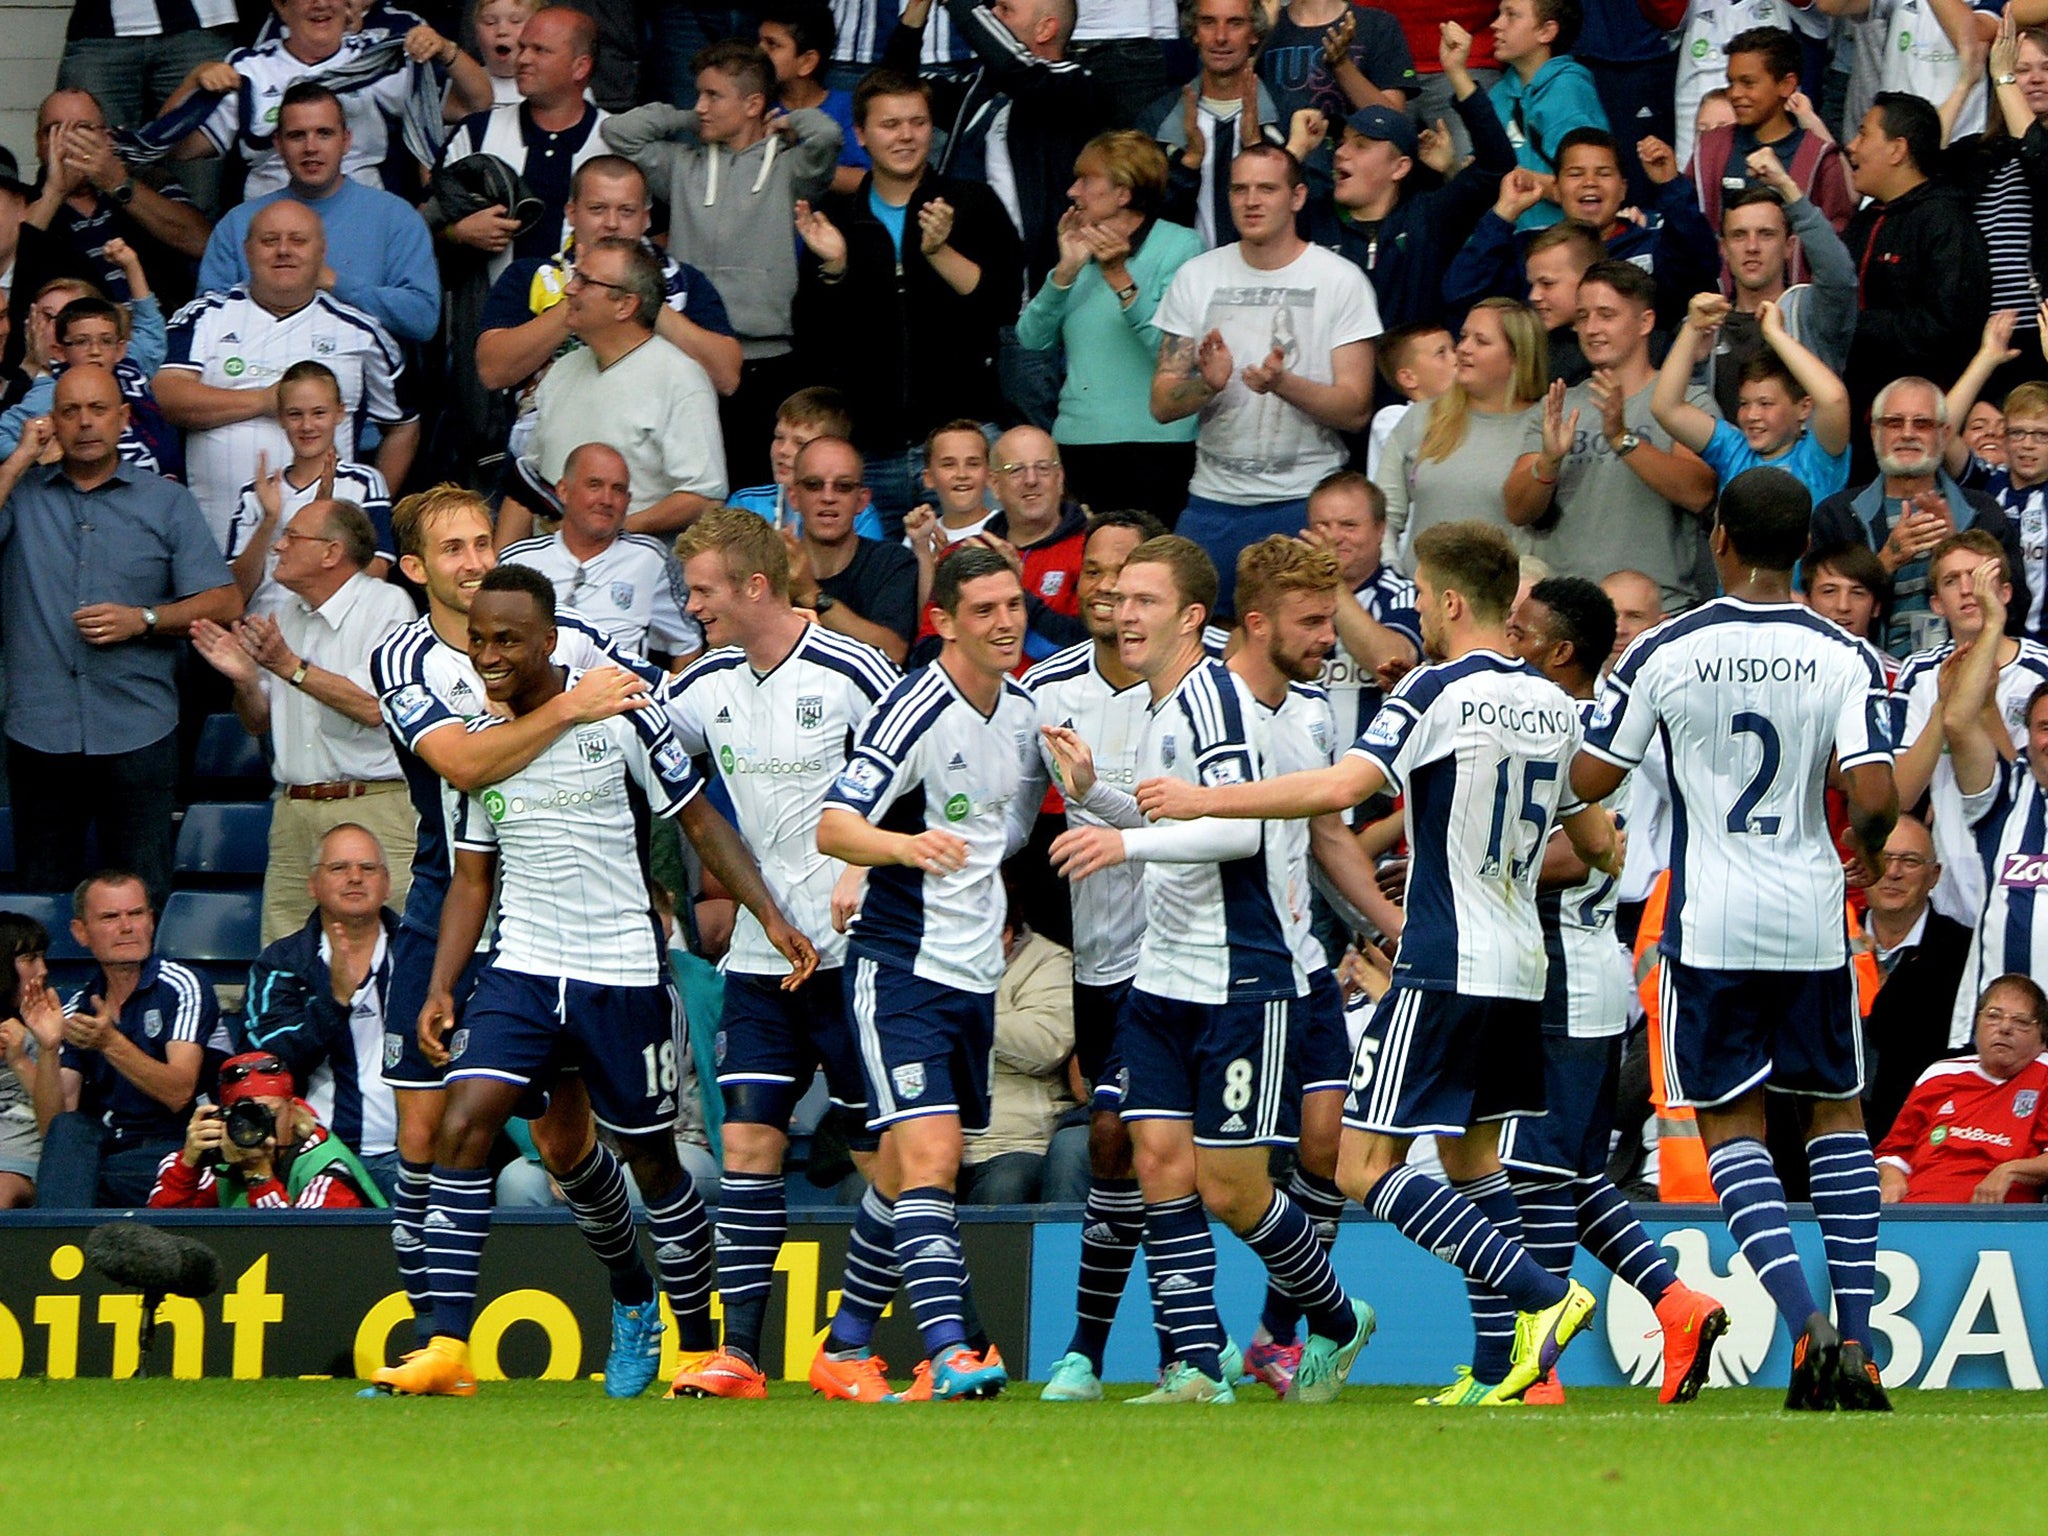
<point>6,839</point>
<point>214,932</point>
<point>228,763</point>
<point>222,844</point>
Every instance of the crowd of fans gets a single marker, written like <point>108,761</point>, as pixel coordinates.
<point>902,276</point>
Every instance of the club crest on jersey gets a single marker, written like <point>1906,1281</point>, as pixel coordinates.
<point>458,1042</point>
<point>394,1048</point>
<point>1166,750</point>
<point>909,1080</point>
<point>153,1023</point>
<point>324,345</point>
<point>810,711</point>
<point>718,1047</point>
<point>593,746</point>
<point>622,594</point>
<point>2024,1101</point>
<point>1050,583</point>
<point>410,704</point>
<point>1319,733</point>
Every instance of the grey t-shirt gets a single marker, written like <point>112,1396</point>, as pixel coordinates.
<point>1604,518</point>
<point>1465,484</point>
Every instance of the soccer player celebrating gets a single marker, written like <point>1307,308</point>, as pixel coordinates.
<point>1754,695</point>
<point>424,682</point>
<point>1205,1029</point>
<point>578,975</point>
<point>1479,745</point>
<point>930,802</point>
<point>1564,628</point>
<point>775,704</point>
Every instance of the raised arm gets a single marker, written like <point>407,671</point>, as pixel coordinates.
<point>1993,352</point>
<point>1686,422</point>
<point>1972,752</point>
<point>1829,395</point>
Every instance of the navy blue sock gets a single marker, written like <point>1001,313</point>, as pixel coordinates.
<point>408,1242</point>
<point>1180,1264</point>
<point>1285,1241</point>
<point>1112,1227</point>
<point>1753,1203</point>
<point>1612,1234</point>
<point>681,1230</point>
<point>1845,1203</point>
<point>934,1268</point>
<point>871,1276</point>
<point>596,1191</point>
<point>1323,1204</point>
<point>458,1221</point>
<point>753,1219</point>
<point>1493,1315</point>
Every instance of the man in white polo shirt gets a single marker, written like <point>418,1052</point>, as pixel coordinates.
<point>228,350</point>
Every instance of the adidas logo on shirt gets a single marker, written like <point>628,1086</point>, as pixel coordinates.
<point>724,717</point>
<point>958,765</point>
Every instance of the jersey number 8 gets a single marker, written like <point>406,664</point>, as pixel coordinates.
<point>1237,1085</point>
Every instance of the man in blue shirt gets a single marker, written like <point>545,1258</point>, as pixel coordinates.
<point>380,258</point>
<point>134,1037</point>
<point>101,565</point>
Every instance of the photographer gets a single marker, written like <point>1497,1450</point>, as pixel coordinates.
<point>261,1146</point>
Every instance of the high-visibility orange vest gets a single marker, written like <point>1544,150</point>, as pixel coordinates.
<point>1681,1155</point>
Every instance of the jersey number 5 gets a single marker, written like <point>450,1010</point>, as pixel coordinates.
<point>1535,774</point>
<point>1742,817</point>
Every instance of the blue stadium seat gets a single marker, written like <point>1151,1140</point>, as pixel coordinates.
<point>228,763</point>
<point>223,844</point>
<point>70,965</point>
<point>6,839</point>
<point>214,932</point>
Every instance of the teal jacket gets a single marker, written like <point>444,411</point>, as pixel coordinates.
<point>1538,113</point>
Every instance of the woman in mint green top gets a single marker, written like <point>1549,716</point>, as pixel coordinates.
<point>1116,259</point>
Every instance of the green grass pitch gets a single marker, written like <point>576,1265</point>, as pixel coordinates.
<point>300,1457</point>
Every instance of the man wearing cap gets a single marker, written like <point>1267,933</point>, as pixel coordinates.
<point>1404,239</point>
<point>299,1165</point>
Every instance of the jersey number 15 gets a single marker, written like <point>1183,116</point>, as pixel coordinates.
<point>1535,774</point>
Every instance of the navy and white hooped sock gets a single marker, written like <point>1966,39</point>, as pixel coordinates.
<point>408,1241</point>
<point>1180,1264</point>
<point>934,1268</point>
<point>869,1282</point>
<point>1493,1315</point>
<point>1285,1241</point>
<point>1439,1219</point>
<point>1845,1202</point>
<point>1753,1204</point>
<point>1550,1222</point>
<point>458,1223</point>
<point>1323,1204</point>
<point>682,1254</point>
<point>1112,1227</point>
<point>596,1191</point>
<point>753,1219</point>
<point>1612,1234</point>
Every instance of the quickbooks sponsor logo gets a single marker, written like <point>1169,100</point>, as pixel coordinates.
<point>498,807</point>
<point>957,807</point>
<point>732,764</point>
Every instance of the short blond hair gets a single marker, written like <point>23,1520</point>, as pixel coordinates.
<point>1279,564</point>
<point>413,515</point>
<point>751,545</point>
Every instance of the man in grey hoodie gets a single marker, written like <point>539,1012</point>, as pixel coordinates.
<point>732,175</point>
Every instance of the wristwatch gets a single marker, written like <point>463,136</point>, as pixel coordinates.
<point>149,621</point>
<point>299,674</point>
<point>2006,79</point>
<point>1626,444</point>
<point>124,194</point>
<point>824,604</point>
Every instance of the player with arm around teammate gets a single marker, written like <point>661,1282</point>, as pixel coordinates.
<point>1479,745</point>
<point>1759,700</point>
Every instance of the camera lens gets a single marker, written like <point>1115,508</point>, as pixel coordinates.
<point>250,1124</point>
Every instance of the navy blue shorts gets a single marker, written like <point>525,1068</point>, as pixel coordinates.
<point>1096,1011</point>
<point>1321,1048</point>
<point>1727,1031</point>
<point>1438,1063</point>
<point>926,1048</point>
<point>1571,1141</point>
<point>1225,1066</point>
<point>771,1042</point>
<point>412,967</point>
<point>626,1041</point>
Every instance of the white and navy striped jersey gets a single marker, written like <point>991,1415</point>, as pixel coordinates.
<point>1751,700</point>
<point>358,483</point>
<point>268,71</point>
<point>1590,977</point>
<point>1109,906</point>
<point>1354,689</point>
<point>1301,737</point>
<point>1215,931</point>
<point>927,760</point>
<point>232,342</point>
<point>1960,894</point>
<point>2010,820</point>
<point>1482,749</point>
<point>572,887</point>
<point>423,683</point>
<point>778,740</point>
<point>632,589</point>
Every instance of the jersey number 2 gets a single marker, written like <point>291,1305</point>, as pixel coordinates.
<point>1742,818</point>
<point>1535,773</point>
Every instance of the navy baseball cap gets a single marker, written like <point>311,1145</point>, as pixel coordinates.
<point>1383,123</point>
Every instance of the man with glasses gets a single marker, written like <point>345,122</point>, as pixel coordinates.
<point>1920,956</point>
<point>1975,1130</point>
<point>627,388</point>
<point>303,676</point>
<point>627,584</point>
<point>863,588</point>
<point>1911,507</point>
<point>1042,530</point>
